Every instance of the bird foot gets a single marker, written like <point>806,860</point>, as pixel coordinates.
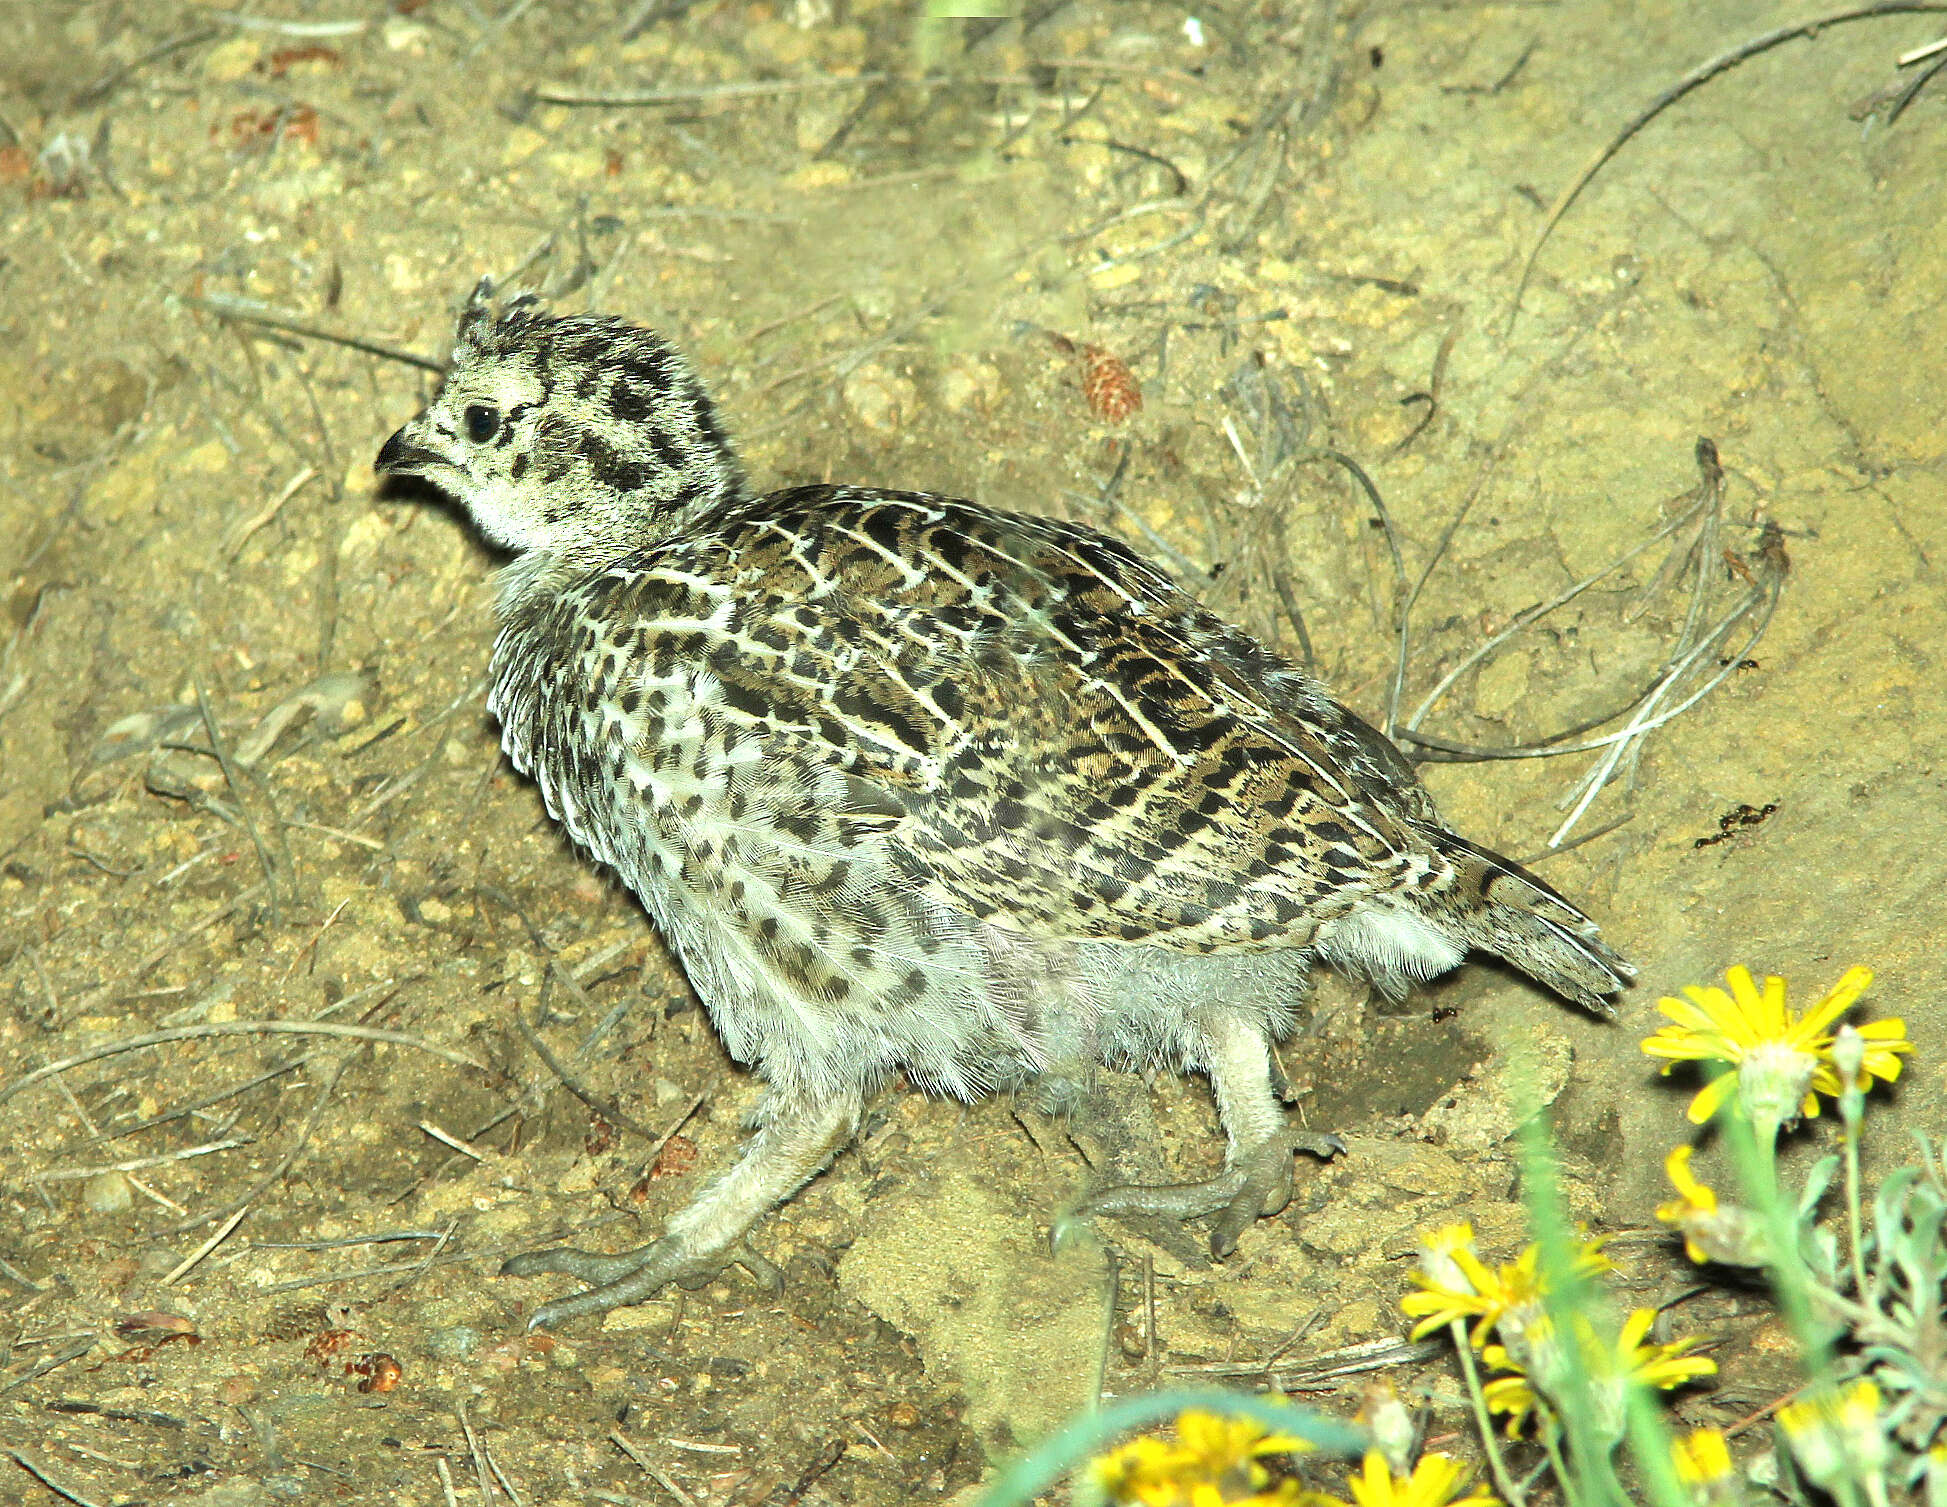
<point>633,1276</point>
<point>1256,1185</point>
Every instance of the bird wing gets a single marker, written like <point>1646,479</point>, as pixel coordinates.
<point>1044,731</point>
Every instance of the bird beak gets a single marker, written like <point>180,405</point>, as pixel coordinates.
<point>402,455</point>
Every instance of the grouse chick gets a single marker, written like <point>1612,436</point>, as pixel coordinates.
<point>911,785</point>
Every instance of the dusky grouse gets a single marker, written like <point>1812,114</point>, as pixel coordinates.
<point>911,785</point>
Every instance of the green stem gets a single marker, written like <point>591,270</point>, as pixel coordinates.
<point>1551,1440</point>
<point>1754,1155</point>
<point>1649,1445</point>
<point>1496,1466</point>
<point>1578,1307</point>
<point>1854,1224</point>
<point>1764,1142</point>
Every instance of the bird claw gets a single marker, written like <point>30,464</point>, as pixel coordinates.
<point>633,1276</point>
<point>1257,1185</point>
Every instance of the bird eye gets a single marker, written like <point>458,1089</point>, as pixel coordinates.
<point>482,422</point>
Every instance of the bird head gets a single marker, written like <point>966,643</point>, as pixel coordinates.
<point>575,435</point>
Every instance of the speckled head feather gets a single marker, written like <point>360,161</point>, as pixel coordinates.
<point>577,435</point>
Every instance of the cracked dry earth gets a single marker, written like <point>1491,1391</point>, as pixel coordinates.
<point>1299,230</point>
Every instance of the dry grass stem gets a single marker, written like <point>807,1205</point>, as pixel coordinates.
<point>223,912</point>
<point>447,1138</point>
<point>237,1028</point>
<point>617,1438</point>
<point>239,311</point>
<point>1699,75</point>
<point>136,1164</point>
<point>233,779</point>
<point>428,1261</point>
<point>263,1184</point>
<point>473,1451</point>
<point>606,1108</point>
<point>239,535</point>
<point>189,1262</point>
<point>764,89</point>
<point>1647,710</point>
<point>40,1473</point>
<point>207,1101</point>
<point>309,30</point>
<point>72,1349</point>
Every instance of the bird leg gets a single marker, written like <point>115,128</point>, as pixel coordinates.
<point>1257,1176</point>
<point>794,1143</point>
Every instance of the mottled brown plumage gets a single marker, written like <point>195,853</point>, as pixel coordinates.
<point>916,786</point>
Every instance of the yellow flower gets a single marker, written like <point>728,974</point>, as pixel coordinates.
<point>1936,1476</point>
<point>1455,1284</point>
<point>1702,1459</point>
<point>1628,1362</point>
<point>1710,1232</point>
<point>1837,1438</point>
<point>1884,1042</point>
<point>1511,1393</point>
<point>1143,1470</point>
<point>1212,1463</point>
<point>1436,1481</point>
<point>1220,1442</point>
<point>1694,1203</point>
<point>1783,1062</point>
<point>1664,1367</point>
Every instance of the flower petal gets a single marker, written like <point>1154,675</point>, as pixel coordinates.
<point>1685,1046</point>
<point>1719,1011</point>
<point>1711,1098</point>
<point>1749,1002</point>
<point>1635,1327</point>
<point>1676,1167</point>
<point>1844,995</point>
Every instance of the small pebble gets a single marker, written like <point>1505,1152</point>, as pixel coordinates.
<point>456,1342</point>
<point>881,399</point>
<point>238,1389</point>
<point>108,1193</point>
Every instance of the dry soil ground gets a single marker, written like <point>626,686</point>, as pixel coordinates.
<point>899,252</point>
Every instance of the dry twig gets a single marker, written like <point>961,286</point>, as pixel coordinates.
<point>235,1028</point>
<point>183,1267</point>
<point>1650,708</point>
<point>241,312</point>
<point>39,1472</point>
<point>621,1442</point>
<point>1701,74</point>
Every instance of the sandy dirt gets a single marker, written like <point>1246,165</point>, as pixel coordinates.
<point>246,775</point>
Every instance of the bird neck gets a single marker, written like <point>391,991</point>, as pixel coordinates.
<point>629,530</point>
<point>535,577</point>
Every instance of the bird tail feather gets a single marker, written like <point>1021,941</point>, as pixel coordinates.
<point>1522,919</point>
